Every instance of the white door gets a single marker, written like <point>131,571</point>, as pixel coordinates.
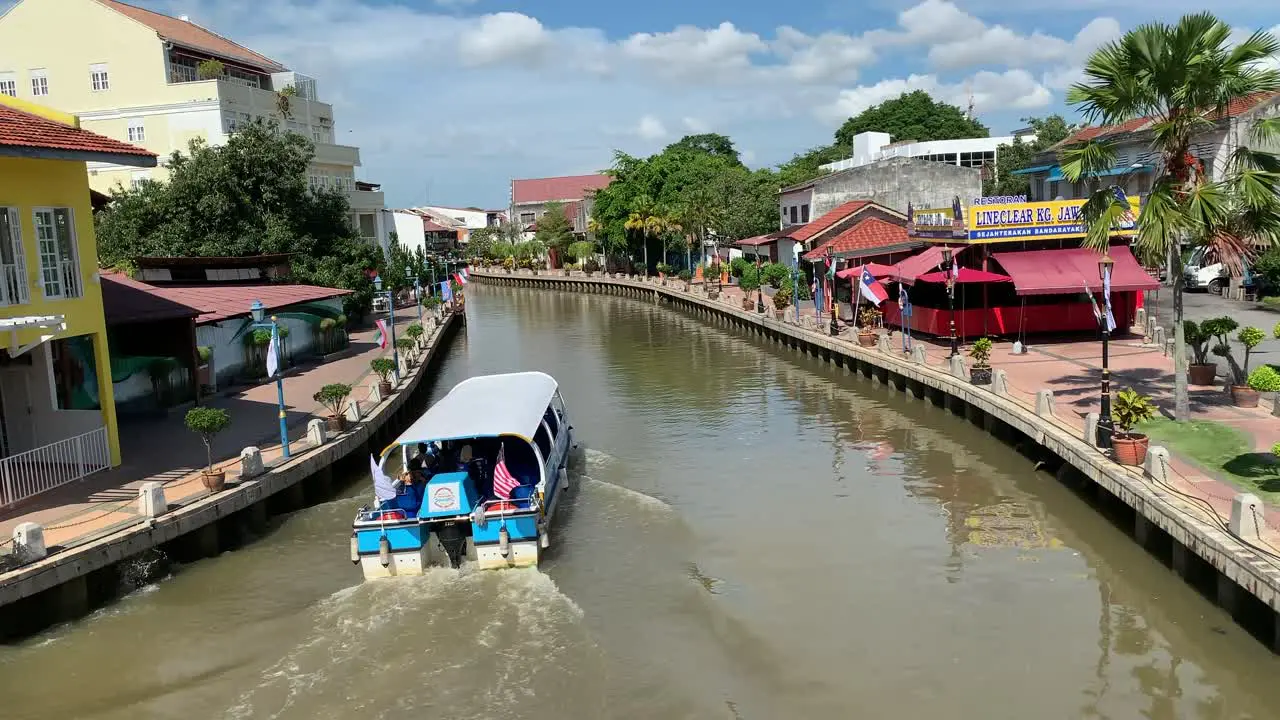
<point>18,421</point>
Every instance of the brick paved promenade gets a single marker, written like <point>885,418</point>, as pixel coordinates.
<point>165,450</point>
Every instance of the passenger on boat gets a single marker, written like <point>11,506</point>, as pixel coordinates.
<point>411,488</point>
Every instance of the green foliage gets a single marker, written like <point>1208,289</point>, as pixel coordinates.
<point>204,352</point>
<point>1250,337</point>
<point>1265,379</point>
<point>738,265</point>
<point>210,69</point>
<point>1019,155</point>
<point>327,325</point>
<point>555,230</point>
<point>685,275</point>
<point>404,343</point>
<point>912,116</point>
<point>207,422</point>
<point>868,317</point>
<point>1266,272</point>
<point>247,197</point>
<point>582,250</point>
<point>663,268</point>
<point>782,298</point>
<point>775,274</point>
<point>980,351</point>
<point>1198,336</point>
<point>591,265</point>
<point>1131,408</point>
<point>802,286</point>
<point>414,331</point>
<point>749,281</point>
<point>260,337</point>
<point>530,250</point>
<point>334,395</point>
<point>1275,449</point>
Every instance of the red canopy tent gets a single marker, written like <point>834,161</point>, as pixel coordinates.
<point>876,269</point>
<point>967,275</point>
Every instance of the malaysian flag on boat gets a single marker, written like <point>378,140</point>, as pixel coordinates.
<point>503,481</point>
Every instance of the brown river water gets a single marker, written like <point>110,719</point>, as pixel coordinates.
<point>751,534</point>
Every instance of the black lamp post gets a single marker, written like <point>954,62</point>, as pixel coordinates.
<point>835,302</point>
<point>951,299</point>
<point>1105,427</point>
<point>759,286</point>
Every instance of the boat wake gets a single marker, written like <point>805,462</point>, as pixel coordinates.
<point>454,643</point>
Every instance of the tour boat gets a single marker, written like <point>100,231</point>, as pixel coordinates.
<point>486,467</point>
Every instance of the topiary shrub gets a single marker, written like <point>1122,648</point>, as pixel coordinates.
<point>207,422</point>
<point>414,331</point>
<point>334,396</point>
<point>205,352</point>
<point>782,298</point>
<point>775,274</point>
<point>383,366</point>
<point>980,351</point>
<point>1265,379</point>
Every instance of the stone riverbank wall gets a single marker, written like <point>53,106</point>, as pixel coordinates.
<point>1225,560</point>
<point>67,585</point>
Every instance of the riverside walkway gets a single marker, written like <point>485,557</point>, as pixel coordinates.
<point>164,450</point>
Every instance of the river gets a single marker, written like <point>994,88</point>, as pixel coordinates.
<point>751,534</point>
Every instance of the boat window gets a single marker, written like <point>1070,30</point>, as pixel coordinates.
<point>543,439</point>
<point>552,421</point>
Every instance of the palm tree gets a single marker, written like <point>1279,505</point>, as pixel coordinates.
<point>646,219</point>
<point>696,213</point>
<point>1183,77</point>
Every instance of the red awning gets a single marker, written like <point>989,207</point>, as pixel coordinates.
<point>928,261</point>
<point>1070,270</point>
<point>967,275</point>
<point>877,271</point>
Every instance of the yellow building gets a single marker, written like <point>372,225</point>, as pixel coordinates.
<point>57,414</point>
<point>159,82</point>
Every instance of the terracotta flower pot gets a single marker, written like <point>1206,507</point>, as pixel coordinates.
<point>713,294</point>
<point>778,314</point>
<point>748,303</point>
<point>384,388</point>
<point>1130,448</point>
<point>213,481</point>
<point>980,375</point>
<point>867,339</point>
<point>1244,396</point>
<point>1201,373</point>
<point>336,423</point>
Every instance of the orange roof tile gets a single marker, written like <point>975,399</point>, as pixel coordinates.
<point>1235,108</point>
<point>189,34</point>
<point>571,187</point>
<point>869,234</point>
<point>20,129</point>
<point>805,232</point>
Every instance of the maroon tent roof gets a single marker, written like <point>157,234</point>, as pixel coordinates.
<point>1069,270</point>
<point>877,271</point>
<point>927,261</point>
<point>967,275</point>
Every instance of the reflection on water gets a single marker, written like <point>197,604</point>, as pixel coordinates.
<point>750,534</point>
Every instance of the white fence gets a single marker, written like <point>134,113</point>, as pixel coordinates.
<point>45,468</point>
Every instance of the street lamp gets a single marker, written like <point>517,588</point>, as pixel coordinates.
<point>1105,427</point>
<point>391,310</point>
<point>417,290</point>
<point>951,298</point>
<point>759,285</point>
<point>835,302</point>
<point>257,312</point>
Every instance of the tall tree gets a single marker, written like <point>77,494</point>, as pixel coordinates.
<point>1049,131</point>
<point>1184,77</point>
<point>707,144</point>
<point>554,229</point>
<point>696,213</point>
<point>646,220</point>
<point>911,116</point>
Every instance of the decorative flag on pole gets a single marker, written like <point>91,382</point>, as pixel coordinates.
<point>1097,314</point>
<point>871,289</point>
<point>817,298</point>
<point>382,338</point>
<point>955,267</point>
<point>273,353</point>
<point>1106,299</point>
<point>462,279</point>
<point>466,277</point>
<point>503,481</point>
<point>383,488</point>
<point>446,292</point>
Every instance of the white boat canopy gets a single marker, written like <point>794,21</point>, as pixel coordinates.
<point>486,406</point>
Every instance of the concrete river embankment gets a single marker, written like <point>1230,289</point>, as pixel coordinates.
<point>1226,565</point>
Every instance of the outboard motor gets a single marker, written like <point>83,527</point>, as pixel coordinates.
<point>453,538</point>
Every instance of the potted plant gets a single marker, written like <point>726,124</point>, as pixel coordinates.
<point>749,282</point>
<point>405,346</point>
<point>781,301</point>
<point>867,333</point>
<point>334,398</point>
<point>340,327</point>
<point>687,278</point>
<point>1241,394</point>
<point>1129,410</point>
<point>591,266</point>
<point>326,334</point>
<point>414,332</point>
<point>204,377</point>
<point>208,422</point>
<point>383,366</point>
<point>508,263</point>
<point>1200,372</point>
<point>1265,379</point>
<point>980,351</point>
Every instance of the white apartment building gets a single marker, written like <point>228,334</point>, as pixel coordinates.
<point>869,147</point>
<point>160,82</point>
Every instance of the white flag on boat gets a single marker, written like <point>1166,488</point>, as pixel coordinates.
<point>273,353</point>
<point>383,487</point>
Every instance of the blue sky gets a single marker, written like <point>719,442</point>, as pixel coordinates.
<point>450,99</point>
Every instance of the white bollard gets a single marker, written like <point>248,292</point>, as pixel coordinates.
<point>955,365</point>
<point>917,354</point>
<point>1091,428</point>
<point>1044,403</point>
<point>1246,516</point>
<point>884,344</point>
<point>251,465</point>
<point>375,394</point>
<point>1000,382</point>
<point>28,542</point>
<point>151,500</point>
<point>317,432</point>
<point>353,410</point>
<point>1157,464</point>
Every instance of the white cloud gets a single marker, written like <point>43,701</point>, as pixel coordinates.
<point>502,37</point>
<point>1013,89</point>
<point>695,52</point>
<point>695,125</point>
<point>829,57</point>
<point>455,3</point>
<point>651,128</point>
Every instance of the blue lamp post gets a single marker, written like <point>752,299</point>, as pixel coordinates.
<point>417,290</point>
<point>391,310</point>
<point>257,312</point>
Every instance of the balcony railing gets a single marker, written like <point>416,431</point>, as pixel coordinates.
<point>69,271</point>
<point>45,468</point>
<point>13,286</point>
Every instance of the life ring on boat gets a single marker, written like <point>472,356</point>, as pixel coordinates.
<point>389,515</point>
<point>503,507</point>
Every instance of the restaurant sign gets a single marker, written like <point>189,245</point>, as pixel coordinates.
<point>942,223</point>
<point>1038,221</point>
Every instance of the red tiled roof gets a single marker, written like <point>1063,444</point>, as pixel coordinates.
<point>220,302</point>
<point>432,226</point>
<point>125,300</point>
<point>21,129</point>
<point>1235,108</point>
<point>182,32</point>
<point>867,234</point>
<point>805,232</point>
<point>571,187</point>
